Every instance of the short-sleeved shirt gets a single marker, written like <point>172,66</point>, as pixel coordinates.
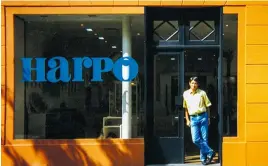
<point>195,102</point>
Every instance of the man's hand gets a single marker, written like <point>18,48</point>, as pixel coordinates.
<point>188,123</point>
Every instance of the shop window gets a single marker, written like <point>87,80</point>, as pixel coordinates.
<point>230,55</point>
<point>74,109</point>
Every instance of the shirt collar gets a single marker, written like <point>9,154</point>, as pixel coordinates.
<point>191,91</point>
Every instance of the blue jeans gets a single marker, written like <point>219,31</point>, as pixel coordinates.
<point>199,131</point>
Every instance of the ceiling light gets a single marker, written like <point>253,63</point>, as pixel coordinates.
<point>101,38</point>
<point>138,34</point>
<point>82,25</point>
<point>106,41</point>
<point>89,29</point>
<point>95,34</point>
<point>173,59</point>
<point>223,34</point>
<point>113,46</point>
<point>200,59</point>
<point>226,25</point>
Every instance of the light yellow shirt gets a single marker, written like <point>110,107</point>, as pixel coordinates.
<point>195,102</point>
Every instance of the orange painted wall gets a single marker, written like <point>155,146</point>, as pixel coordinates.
<point>247,149</point>
<point>257,85</point>
<point>72,153</point>
<point>250,147</point>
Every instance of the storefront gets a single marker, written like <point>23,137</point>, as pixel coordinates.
<point>31,26</point>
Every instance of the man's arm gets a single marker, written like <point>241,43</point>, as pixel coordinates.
<point>186,112</point>
<point>186,115</point>
<point>207,105</point>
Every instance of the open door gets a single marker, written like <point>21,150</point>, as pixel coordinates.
<point>164,128</point>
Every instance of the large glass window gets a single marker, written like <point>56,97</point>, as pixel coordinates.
<point>67,110</point>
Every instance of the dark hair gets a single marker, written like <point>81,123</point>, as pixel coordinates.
<point>194,79</point>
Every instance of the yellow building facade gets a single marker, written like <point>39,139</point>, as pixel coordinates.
<point>247,149</point>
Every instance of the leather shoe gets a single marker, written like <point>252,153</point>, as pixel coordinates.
<point>204,162</point>
<point>210,158</point>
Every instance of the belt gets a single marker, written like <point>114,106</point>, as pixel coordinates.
<point>198,114</point>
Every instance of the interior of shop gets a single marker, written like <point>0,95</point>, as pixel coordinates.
<point>93,109</point>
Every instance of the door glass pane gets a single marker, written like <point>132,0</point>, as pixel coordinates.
<point>166,30</point>
<point>166,92</point>
<point>202,30</point>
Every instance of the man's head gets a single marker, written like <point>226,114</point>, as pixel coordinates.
<point>193,83</point>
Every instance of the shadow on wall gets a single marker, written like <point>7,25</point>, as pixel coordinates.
<point>67,154</point>
<point>106,152</point>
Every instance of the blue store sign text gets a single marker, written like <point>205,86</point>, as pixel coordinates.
<point>61,65</point>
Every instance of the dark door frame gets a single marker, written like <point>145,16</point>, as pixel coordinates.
<point>183,16</point>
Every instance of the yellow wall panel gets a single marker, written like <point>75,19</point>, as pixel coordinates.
<point>78,10</point>
<point>3,77</point>
<point>234,154</point>
<point>257,15</point>
<point>103,153</point>
<point>256,53</point>
<point>246,2</point>
<point>79,2</point>
<point>257,132</point>
<point>3,114</point>
<point>126,2</point>
<point>3,93</point>
<point>257,73</point>
<point>171,2</point>
<point>149,2</point>
<point>3,55</point>
<point>36,3</point>
<point>257,93</point>
<point>214,2</point>
<point>3,18</point>
<point>3,35</point>
<point>257,113</point>
<point>102,2</point>
<point>193,2</point>
<point>257,154</point>
<point>257,34</point>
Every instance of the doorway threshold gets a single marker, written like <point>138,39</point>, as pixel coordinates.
<point>217,164</point>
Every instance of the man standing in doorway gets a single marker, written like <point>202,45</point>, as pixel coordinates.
<point>196,104</point>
